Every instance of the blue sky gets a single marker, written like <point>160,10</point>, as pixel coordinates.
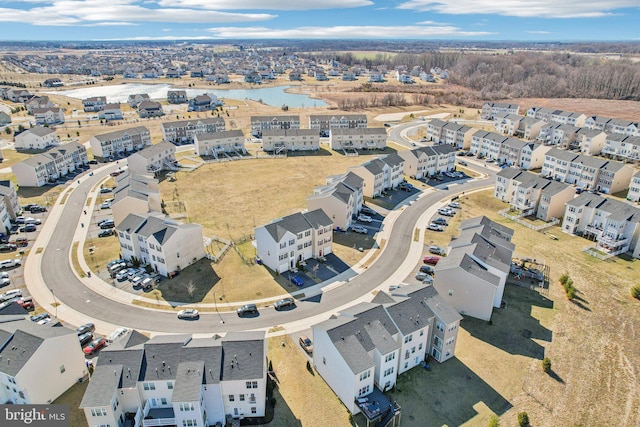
<point>543,20</point>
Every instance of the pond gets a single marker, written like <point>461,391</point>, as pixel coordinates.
<point>274,96</point>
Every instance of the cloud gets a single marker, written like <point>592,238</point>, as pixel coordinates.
<point>79,12</point>
<point>266,4</point>
<point>538,32</point>
<point>522,8</point>
<point>344,32</point>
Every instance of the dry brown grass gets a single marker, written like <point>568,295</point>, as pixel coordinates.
<point>11,157</point>
<point>309,400</point>
<point>592,342</point>
<point>626,110</point>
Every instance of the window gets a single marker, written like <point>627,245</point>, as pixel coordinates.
<point>421,332</point>
<point>440,326</point>
<point>169,385</point>
<point>365,375</point>
<point>389,357</point>
<point>408,339</point>
<point>189,423</point>
<point>98,412</point>
<point>186,407</point>
<point>232,398</point>
<point>388,372</point>
<point>242,398</point>
<point>148,386</point>
<point>420,346</point>
<point>437,342</point>
<point>254,410</point>
<point>62,369</point>
<point>163,401</point>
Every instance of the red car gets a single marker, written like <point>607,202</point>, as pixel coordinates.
<point>433,260</point>
<point>26,303</point>
<point>94,346</point>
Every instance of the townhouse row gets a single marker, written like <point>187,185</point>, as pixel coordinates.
<point>47,167</point>
<point>361,350</point>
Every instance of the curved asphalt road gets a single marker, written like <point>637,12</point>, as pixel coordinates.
<point>59,276</point>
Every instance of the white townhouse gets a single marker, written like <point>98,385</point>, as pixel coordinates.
<point>135,194</point>
<point>325,122</point>
<point>590,141</point>
<point>557,163</point>
<point>434,129</point>
<point>614,177</point>
<point>491,109</point>
<point>614,225</point>
<point>111,112</point>
<point>219,144</point>
<point>94,103</point>
<point>622,147</point>
<point>260,123</point>
<point>568,118</point>
<point>507,123</point>
<point>150,109</point>
<point>528,128</point>
<point>36,138</point>
<point>532,193</point>
<point>472,277</point>
<point>177,96</point>
<point>511,151</point>
<point>624,127</point>
<point>178,380</point>
<point>184,131</point>
<point>452,133</point>
<point>153,158</point>
<point>38,102</point>
<point>596,122</point>
<point>155,240</point>
<point>358,138</point>
<point>136,99</point>
<point>540,113</point>
<point>361,350</point>
<point>120,142</point>
<point>39,362</point>
<point>286,241</point>
<point>340,199</point>
<point>204,102</point>
<point>279,140</point>
<point>634,188</point>
<point>533,155</point>
<point>380,174</point>
<point>47,167</point>
<point>48,116</point>
<point>428,161</point>
<point>17,95</point>
<point>357,350</point>
<point>9,203</point>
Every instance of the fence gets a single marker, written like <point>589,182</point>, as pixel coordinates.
<point>518,218</point>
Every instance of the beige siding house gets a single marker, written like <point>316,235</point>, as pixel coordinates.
<point>358,138</point>
<point>283,140</point>
<point>218,143</point>
<point>153,158</point>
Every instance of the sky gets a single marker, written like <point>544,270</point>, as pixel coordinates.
<point>526,20</point>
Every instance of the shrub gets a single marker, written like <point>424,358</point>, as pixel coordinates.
<point>494,421</point>
<point>568,285</point>
<point>563,279</point>
<point>571,293</point>
<point>546,364</point>
<point>523,419</point>
<point>635,291</point>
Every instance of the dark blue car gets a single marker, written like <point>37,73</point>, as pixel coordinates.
<point>297,281</point>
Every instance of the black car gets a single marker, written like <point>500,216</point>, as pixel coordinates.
<point>88,327</point>
<point>37,209</point>
<point>93,162</point>
<point>440,221</point>
<point>106,233</point>
<point>85,338</point>
<point>427,269</point>
<point>107,224</point>
<point>39,317</point>
<point>247,309</point>
<point>8,247</point>
<point>284,303</point>
<point>28,228</point>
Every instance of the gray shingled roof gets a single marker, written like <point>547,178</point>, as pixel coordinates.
<point>102,387</point>
<point>214,136</point>
<point>40,131</point>
<point>193,123</point>
<point>243,356</point>
<point>290,132</point>
<point>136,130</point>
<point>189,381</point>
<point>156,149</point>
<point>483,220</point>
<point>429,297</point>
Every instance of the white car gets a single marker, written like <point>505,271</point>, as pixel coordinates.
<point>454,205</point>
<point>117,334</point>
<point>5,281</point>
<point>359,229</point>
<point>435,227</point>
<point>364,218</point>
<point>446,211</point>
<point>188,314</point>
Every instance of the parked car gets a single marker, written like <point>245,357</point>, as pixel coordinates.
<point>440,221</point>
<point>364,218</point>
<point>8,247</point>
<point>5,281</point>
<point>20,241</point>
<point>437,250</point>
<point>115,173</point>
<point>87,327</point>
<point>490,161</point>
<point>427,269</point>
<point>296,280</point>
<point>26,303</point>
<point>106,233</point>
<point>148,282</point>
<point>435,227</point>
<point>247,309</point>
<point>394,287</point>
<point>103,220</point>
<point>421,276</point>
<point>446,211</point>
<point>93,162</point>
<point>454,205</point>
<point>117,334</point>
<point>28,228</point>
<point>85,339</point>
<point>115,261</point>
<point>9,295</point>
<point>39,317</point>
<point>123,274</point>
<point>105,190</point>
<point>359,229</point>
<point>107,224</point>
<point>284,303</point>
<point>94,346</point>
<point>105,205</point>
<point>367,210</point>
<point>36,208</point>
<point>189,313</point>
<point>133,272</point>
<point>31,220</point>
<point>9,263</point>
<point>428,280</point>
<point>462,163</point>
<point>306,344</point>
<point>433,260</point>
<point>138,279</point>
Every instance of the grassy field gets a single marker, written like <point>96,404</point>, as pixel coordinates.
<point>73,397</point>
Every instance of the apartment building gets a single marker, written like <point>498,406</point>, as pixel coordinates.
<point>325,122</point>
<point>155,240</point>
<point>285,242</point>
<point>120,142</point>
<point>135,194</point>
<point>261,123</point>
<point>184,131</point>
<point>340,199</point>
<point>9,203</point>
<point>48,116</point>
<point>36,138</point>
<point>220,144</point>
<point>47,167</point>
<point>430,161</point>
<point>358,138</point>
<point>178,380</point>
<point>153,158</point>
<point>380,174</point>
<point>282,140</point>
<point>491,109</point>
<point>94,104</point>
